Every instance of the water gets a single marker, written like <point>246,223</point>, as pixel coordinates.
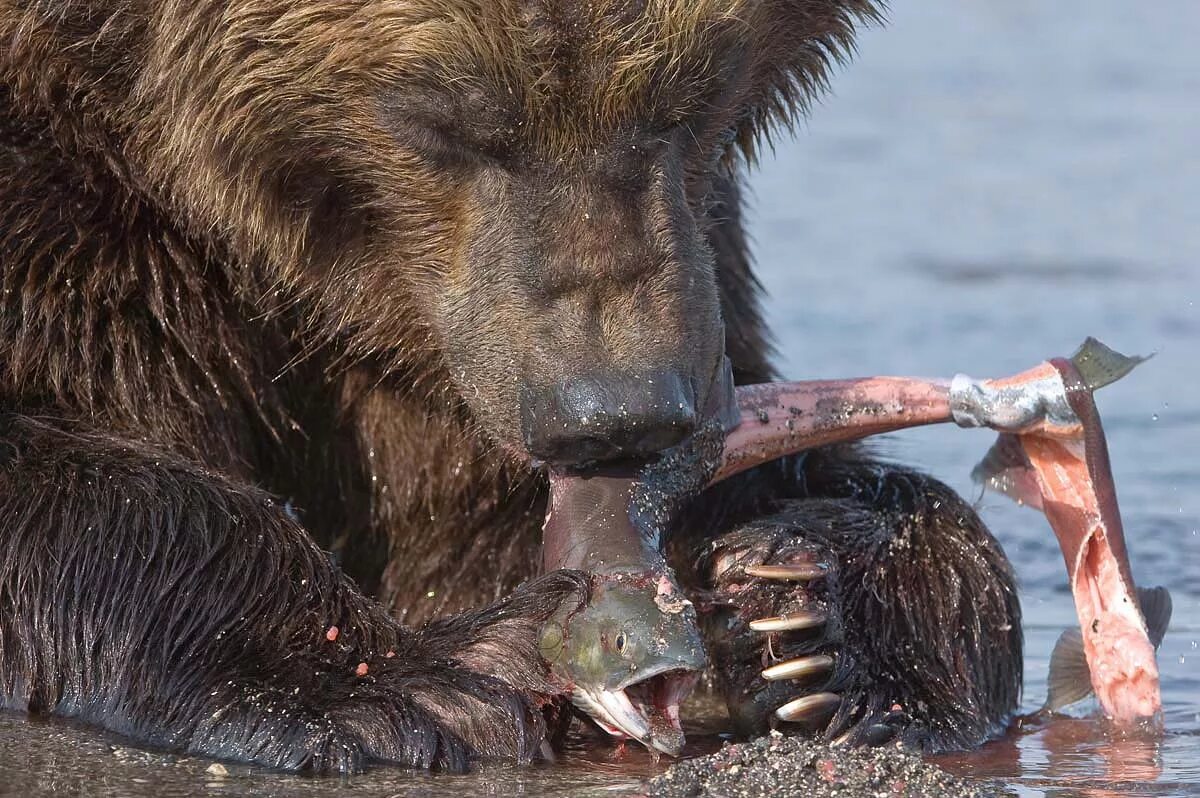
<point>991,182</point>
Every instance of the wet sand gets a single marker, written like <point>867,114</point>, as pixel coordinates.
<point>787,767</point>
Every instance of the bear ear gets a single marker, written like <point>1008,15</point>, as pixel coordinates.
<point>796,44</point>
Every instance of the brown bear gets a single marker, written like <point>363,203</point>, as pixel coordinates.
<point>300,300</point>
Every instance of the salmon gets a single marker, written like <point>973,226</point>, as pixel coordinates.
<point>1051,455</point>
<point>1065,473</point>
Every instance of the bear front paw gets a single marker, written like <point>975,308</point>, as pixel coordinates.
<point>433,717</point>
<point>337,722</point>
<point>773,632</point>
<point>471,686</point>
<point>461,689</point>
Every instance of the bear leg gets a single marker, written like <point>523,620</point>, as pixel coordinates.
<point>876,604</point>
<point>149,596</point>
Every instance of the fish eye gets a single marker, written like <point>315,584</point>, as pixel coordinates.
<point>620,642</point>
<point>552,641</point>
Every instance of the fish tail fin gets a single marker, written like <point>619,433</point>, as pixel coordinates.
<point>1070,679</point>
<point>1006,469</point>
<point>1098,365</point>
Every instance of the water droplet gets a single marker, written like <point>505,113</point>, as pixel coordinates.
<point>1154,417</point>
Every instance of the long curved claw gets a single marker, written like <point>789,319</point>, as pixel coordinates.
<point>878,734</point>
<point>796,572</point>
<point>810,708</point>
<point>872,736</point>
<point>799,668</point>
<point>789,623</point>
<point>880,730</point>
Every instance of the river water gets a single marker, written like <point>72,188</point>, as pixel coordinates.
<point>990,183</point>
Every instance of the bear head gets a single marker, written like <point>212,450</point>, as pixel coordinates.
<point>505,201</point>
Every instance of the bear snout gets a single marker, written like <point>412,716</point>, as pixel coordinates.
<point>607,416</point>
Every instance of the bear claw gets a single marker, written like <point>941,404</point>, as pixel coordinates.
<point>880,730</point>
<point>794,572</point>
<point>810,708</point>
<point>789,623</point>
<point>799,668</point>
<point>878,734</point>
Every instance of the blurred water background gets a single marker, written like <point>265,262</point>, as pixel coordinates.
<point>989,183</point>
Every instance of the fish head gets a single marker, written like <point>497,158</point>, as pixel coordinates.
<point>630,657</point>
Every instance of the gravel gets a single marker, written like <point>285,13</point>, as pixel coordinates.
<point>789,766</point>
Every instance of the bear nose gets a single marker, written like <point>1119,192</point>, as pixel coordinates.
<point>602,417</point>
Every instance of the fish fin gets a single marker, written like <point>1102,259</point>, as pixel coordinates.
<point>1070,679</point>
<point>1156,609</point>
<point>1099,365</point>
<point>1006,469</point>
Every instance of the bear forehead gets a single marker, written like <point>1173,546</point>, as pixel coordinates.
<point>562,76</point>
<point>500,59</point>
<point>582,67</point>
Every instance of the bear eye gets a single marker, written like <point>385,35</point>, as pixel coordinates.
<point>449,146</point>
<point>436,142</point>
<point>620,642</point>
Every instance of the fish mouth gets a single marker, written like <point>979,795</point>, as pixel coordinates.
<point>646,710</point>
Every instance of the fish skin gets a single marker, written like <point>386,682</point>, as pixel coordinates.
<point>1064,471</point>
<point>1070,678</point>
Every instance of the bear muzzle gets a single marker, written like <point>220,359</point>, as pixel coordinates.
<point>598,418</point>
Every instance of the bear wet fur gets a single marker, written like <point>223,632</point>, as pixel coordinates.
<point>273,277</point>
